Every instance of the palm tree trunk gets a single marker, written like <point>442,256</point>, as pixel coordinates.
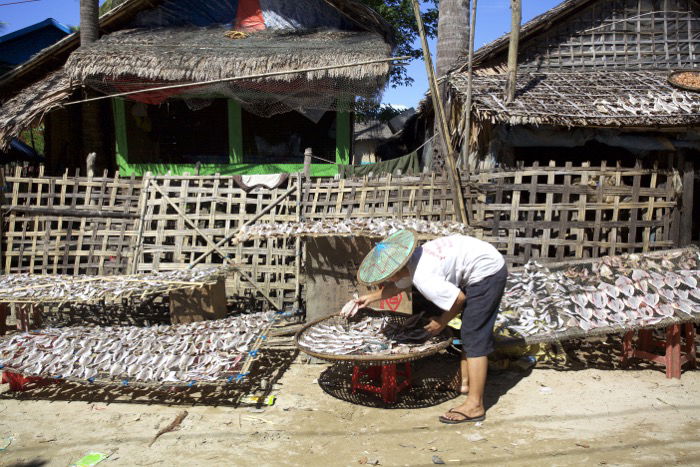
<point>453,34</point>
<point>92,131</point>
<point>452,43</point>
<point>89,21</point>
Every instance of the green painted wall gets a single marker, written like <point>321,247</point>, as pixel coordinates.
<point>236,167</point>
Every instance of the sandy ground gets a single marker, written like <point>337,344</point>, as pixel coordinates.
<point>541,417</point>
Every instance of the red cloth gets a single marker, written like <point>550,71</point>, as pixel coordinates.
<point>249,16</point>
<point>152,97</point>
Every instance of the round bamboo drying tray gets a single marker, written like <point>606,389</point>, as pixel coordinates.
<point>364,359</point>
<point>673,79</point>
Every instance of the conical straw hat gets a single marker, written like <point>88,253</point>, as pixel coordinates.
<point>387,257</point>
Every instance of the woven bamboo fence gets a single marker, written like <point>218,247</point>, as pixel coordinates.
<point>102,225</point>
<point>182,217</point>
<point>426,197</point>
<point>69,225</point>
<point>556,212</point>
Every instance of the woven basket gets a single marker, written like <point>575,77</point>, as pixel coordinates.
<point>673,76</point>
<point>445,341</point>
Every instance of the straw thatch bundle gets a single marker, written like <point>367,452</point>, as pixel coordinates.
<point>620,98</point>
<point>202,54</point>
<point>30,106</point>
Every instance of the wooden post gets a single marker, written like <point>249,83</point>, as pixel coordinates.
<point>445,136</point>
<point>3,204</point>
<point>307,163</point>
<point>470,76</point>
<point>516,18</point>
<point>297,242</point>
<point>686,219</point>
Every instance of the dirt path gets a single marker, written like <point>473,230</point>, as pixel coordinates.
<point>584,417</point>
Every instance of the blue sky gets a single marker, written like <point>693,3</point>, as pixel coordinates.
<point>493,20</point>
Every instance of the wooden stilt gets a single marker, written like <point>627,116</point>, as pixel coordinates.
<point>673,351</point>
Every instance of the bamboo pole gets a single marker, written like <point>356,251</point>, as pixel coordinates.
<point>470,76</point>
<point>69,212</point>
<point>143,200</point>
<point>516,18</point>
<point>460,210</point>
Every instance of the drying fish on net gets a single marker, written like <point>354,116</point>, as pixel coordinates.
<point>55,288</point>
<point>370,335</point>
<point>612,293</point>
<point>206,351</point>
<point>370,227</point>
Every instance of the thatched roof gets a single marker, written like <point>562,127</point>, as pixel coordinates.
<point>201,54</point>
<point>41,83</point>
<point>608,99</point>
<point>535,25</point>
<point>30,106</point>
<point>53,57</point>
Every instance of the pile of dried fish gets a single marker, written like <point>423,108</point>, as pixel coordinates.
<point>201,351</point>
<point>370,227</point>
<point>368,335</point>
<point>616,292</point>
<point>56,288</point>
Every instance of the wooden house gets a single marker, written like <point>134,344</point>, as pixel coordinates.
<point>227,114</point>
<point>592,85</point>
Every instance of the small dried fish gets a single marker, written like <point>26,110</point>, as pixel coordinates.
<point>178,353</point>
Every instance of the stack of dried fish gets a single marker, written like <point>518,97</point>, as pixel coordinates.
<point>370,227</point>
<point>368,335</point>
<point>533,301</point>
<point>56,288</point>
<point>201,351</point>
<point>617,292</point>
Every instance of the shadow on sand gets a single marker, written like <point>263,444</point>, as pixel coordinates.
<point>264,373</point>
<point>433,383</point>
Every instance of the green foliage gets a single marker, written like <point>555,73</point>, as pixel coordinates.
<point>34,138</point>
<point>108,5</point>
<point>399,13</point>
<point>367,110</point>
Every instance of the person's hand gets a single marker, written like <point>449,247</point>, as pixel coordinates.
<point>363,301</point>
<point>434,327</point>
<point>349,309</point>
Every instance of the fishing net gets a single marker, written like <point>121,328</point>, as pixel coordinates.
<point>262,98</point>
<point>387,257</point>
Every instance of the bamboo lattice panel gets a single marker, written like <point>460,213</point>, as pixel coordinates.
<point>426,197</point>
<point>576,212</point>
<point>217,207</point>
<point>630,34</point>
<point>536,212</point>
<point>38,238</point>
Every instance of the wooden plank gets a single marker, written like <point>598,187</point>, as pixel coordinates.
<point>687,213</point>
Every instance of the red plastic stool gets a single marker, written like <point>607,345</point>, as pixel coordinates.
<point>385,379</point>
<point>676,354</point>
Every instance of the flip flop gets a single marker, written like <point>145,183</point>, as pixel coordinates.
<point>466,418</point>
